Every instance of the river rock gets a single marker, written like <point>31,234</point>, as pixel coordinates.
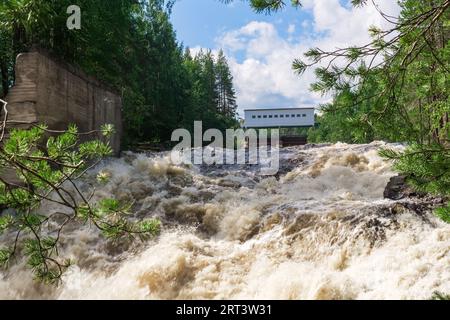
<point>140,190</point>
<point>227,183</point>
<point>397,188</point>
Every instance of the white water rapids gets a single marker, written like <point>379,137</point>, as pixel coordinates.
<point>319,230</point>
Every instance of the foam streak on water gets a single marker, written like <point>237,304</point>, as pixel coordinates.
<point>319,230</point>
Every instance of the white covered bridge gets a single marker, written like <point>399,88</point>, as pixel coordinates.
<point>279,118</point>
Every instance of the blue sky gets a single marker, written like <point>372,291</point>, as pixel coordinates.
<point>199,23</point>
<point>260,48</point>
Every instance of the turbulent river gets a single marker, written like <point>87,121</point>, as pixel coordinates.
<point>320,229</point>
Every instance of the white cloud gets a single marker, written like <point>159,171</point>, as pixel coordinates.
<point>264,77</point>
<point>196,50</point>
<point>291,29</point>
<point>306,24</point>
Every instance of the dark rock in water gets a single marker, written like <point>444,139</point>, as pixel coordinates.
<point>397,189</point>
<point>229,183</point>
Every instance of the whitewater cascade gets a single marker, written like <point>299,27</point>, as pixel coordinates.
<point>320,229</point>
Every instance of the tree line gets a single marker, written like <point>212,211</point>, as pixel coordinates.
<point>132,46</point>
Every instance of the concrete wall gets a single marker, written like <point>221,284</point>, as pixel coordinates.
<point>55,93</point>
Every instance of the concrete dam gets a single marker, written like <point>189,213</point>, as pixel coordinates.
<point>55,93</point>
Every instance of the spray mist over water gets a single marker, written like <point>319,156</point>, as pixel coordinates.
<point>320,229</point>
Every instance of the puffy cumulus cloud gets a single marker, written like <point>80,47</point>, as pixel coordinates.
<point>196,50</point>
<point>261,59</point>
<point>346,25</point>
<point>264,78</point>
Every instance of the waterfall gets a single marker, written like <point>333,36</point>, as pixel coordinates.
<point>320,229</point>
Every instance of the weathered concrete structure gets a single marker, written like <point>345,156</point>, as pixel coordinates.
<point>57,94</point>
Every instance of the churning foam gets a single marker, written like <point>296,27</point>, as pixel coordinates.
<point>321,230</point>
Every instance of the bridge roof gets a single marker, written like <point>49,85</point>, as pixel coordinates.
<point>281,109</point>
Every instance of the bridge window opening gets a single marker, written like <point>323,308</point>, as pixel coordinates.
<point>299,115</point>
<point>254,117</point>
<point>259,117</point>
<point>293,116</point>
<point>276,116</point>
<point>265,117</point>
<point>270,117</point>
<point>304,115</point>
<point>281,115</point>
